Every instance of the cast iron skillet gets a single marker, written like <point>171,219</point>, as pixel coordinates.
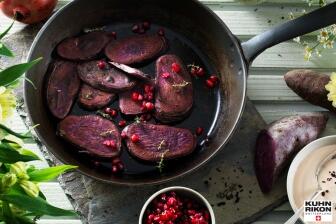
<point>194,31</point>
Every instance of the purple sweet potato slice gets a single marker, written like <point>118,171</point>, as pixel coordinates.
<point>62,88</point>
<point>92,99</point>
<point>84,47</point>
<point>173,95</point>
<point>159,140</point>
<point>127,105</point>
<point>89,133</point>
<point>135,49</point>
<point>108,79</point>
<point>278,144</point>
<point>136,73</point>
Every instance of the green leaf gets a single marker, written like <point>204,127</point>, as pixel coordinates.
<point>49,173</point>
<point>6,31</point>
<point>35,205</point>
<point>19,135</point>
<point>5,51</point>
<point>10,155</point>
<point>11,74</point>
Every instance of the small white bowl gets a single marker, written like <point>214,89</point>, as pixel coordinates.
<point>184,191</point>
<point>299,158</point>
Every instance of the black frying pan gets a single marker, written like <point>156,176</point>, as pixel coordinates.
<point>197,35</point>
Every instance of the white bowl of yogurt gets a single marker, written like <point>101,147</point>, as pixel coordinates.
<point>301,180</point>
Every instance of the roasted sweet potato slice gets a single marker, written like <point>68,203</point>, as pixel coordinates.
<point>83,47</point>
<point>90,133</point>
<point>92,99</point>
<point>278,144</point>
<point>157,141</point>
<point>62,88</point>
<point>135,49</point>
<point>174,94</point>
<point>108,79</point>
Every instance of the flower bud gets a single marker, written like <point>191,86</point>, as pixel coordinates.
<point>8,180</point>
<point>30,188</point>
<point>19,169</point>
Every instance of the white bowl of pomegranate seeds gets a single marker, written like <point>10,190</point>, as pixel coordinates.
<point>177,205</point>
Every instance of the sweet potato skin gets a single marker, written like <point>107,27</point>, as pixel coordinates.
<point>278,143</point>
<point>310,86</point>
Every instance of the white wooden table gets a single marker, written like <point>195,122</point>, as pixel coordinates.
<point>266,87</point>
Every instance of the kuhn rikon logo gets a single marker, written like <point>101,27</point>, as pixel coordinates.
<point>317,211</point>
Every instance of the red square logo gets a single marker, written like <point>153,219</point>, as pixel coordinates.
<point>318,218</point>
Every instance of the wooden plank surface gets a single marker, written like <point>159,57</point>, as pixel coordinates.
<point>266,86</point>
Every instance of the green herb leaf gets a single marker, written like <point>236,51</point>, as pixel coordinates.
<point>14,72</point>
<point>9,155</point>
<point>35,205</point>
<point>19,135</point>
<point>49,173</point>
<point>5,51</point>
<point>6,31</point>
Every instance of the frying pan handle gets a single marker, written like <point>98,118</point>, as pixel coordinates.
<point>310,22</point>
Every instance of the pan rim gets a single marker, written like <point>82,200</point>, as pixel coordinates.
<point>126,182</point>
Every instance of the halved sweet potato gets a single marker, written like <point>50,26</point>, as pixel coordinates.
<point>280,141</point>
<point>92,99</point>
<point>84,47</point>
<point>135,49</point>
<point>108,79</point>
<point>62,88</point>
<point>89,133</point>
<point>157,141</point>
<point>174,94</point>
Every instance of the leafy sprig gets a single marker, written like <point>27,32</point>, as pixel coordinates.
<point>21,200</point>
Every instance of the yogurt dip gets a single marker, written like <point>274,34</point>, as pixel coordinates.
<point>305,183</point>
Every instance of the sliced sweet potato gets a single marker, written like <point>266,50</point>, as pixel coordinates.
<point>108,79</point>
<point>157,141</point>
<point>279,143</point>
<point>62,88</point>
<point>92,99</point>
<point>135,49</point>
<point>84,47</point>
<point>89,133</point>
<point>174,94</point>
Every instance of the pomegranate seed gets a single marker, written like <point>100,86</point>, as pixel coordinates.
<point>122,123</point>
<point>193,71</point>
<point>135,96</point>
<point>101,65</point>
<point>176,67</point>
<point>135,138</point>
<point>114,35</point>
<point>148,88</point>
<point>214,79</point>
<point>199,130</point>
<point>210,84</point>
<point>149,106</point>
<point>146,25</point>
<point>114,169</point>
<point>140,97</point>
<point>165,75</point>
<point>106,142</point>
<point>107,110</point>
<point>123,135</point>
<point>200,72</point>
<point>135,28</point>
<point>161,32</point>
<point>113,113</point>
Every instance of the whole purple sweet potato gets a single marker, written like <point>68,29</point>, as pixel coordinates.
<point>280,141</point>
